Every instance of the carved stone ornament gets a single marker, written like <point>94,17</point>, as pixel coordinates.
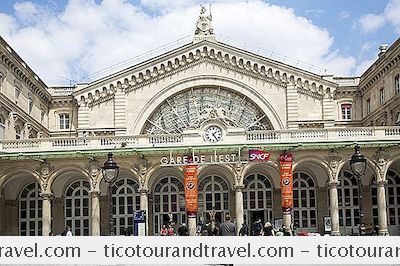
<point>333,158</point>
<point>203,24</point>
<point>45,169</point>
<point>94,170</point>
<point>142,166</point>
<point>381,157</point>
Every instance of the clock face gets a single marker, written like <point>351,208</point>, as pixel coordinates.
<point>213,134</point>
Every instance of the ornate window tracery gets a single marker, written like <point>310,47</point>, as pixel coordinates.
<point>190,108</point>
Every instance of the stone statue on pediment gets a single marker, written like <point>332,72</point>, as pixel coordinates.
<point>204,29</point>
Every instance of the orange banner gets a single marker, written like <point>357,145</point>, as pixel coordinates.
<point>191,195</point>
<point>286,181</point>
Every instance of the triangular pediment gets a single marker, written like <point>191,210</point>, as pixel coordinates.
<point>212,52</point>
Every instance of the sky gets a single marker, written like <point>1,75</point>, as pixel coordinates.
<point>71,41</point>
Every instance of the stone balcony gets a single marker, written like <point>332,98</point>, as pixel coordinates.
<point>306,138</point>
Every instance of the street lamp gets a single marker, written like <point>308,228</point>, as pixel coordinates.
<point>358,164</point>
<point>110,171</point>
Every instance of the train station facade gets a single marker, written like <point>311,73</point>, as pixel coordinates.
<point>212,103</point>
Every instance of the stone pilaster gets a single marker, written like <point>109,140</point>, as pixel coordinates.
<point>333,158</point>
<point>382,215</point>
<point>328,110</point>
<point>46,213</point>
<point>120,111</point>
<point>95,213</point>
<point>381,157</point>
<point>144,205</point>
<point>83,117</point>
<point>334,207</point>
<point>239,206</point>
<point>292,99</point>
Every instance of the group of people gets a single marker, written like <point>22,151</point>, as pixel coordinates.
<point>258,229</point>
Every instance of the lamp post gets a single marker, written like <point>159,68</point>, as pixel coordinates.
<point>110,171</point>
<point>358,164</point>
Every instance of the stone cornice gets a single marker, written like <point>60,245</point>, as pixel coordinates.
<point>11,60</point>
<point>22,114</point>
<point>385,63</point>
<point>217,53</point>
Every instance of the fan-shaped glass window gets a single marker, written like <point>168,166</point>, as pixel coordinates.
<point>190,108</point>
<point>168,203</point>
<point>349,217</point>
<point>30,210</point>
<point>392,201</point>
<point>257,198</point>
<point>126,200</point>
<point>77,207</point>
<point>213,195</point>
<point>304,201</point>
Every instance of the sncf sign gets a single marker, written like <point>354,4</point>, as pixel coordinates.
<point>257,155</point>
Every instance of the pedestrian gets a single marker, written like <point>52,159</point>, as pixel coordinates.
<point>164,231</point>
<point>67,231</point>
<point>182,230</point>
<point>244,230</point>
<point>268,229</point>
<point>51,233</point>
<point>170,230</point>
<point>257,228</point>
<point>217,230</point>
<point>228,228</point>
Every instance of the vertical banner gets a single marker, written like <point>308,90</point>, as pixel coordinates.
<point>190,183</point>
<point>139,223</point>
<point>286,174</point>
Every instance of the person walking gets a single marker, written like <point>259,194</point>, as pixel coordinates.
<point>244,230</point>
<point>228,228</point>
<point>67,231</point>
<point>268,229</point>
<point>257,228</point>
<point>182,230</point>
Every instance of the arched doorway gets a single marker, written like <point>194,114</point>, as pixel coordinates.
<point>126,200</point>
<point>77,207</point>
<point>257,198</point>
<point>30,210</point>
<point>168,203</point>
<point>304,201</point>
<point>349,216</point>
<point>213,195</point>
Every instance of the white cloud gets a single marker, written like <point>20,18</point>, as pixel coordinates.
<point>392,13</point>
<point>370,22</point>
<point>363,66</point>
<point>344,15</point>
<point>90,35</point>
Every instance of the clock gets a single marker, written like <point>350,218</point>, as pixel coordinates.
<point>213,134</point>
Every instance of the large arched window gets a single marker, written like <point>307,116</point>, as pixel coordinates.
<point>392,201</point>
<point>304,201</point>
<point>30,210</point>
<point>257,198</point>
<point>77,207</point>
<point>169,202</point>
<point>213,194</point>
<point>348,203</point>
<point>126,200</point>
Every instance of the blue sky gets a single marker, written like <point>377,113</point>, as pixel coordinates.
<point>69,39</point>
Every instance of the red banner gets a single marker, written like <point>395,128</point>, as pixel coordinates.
<point>286,181</point>
<point>190,183</point>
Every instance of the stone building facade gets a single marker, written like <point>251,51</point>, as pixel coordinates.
<point>205,98</point>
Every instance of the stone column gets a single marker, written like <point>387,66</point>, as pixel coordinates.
<point>192,226</point>
<point>334,208</point>
<point>144,205</point>
<point>382,215</point>
<point>95,213</point>
<point>46,213</point>
<point>239,207</point>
